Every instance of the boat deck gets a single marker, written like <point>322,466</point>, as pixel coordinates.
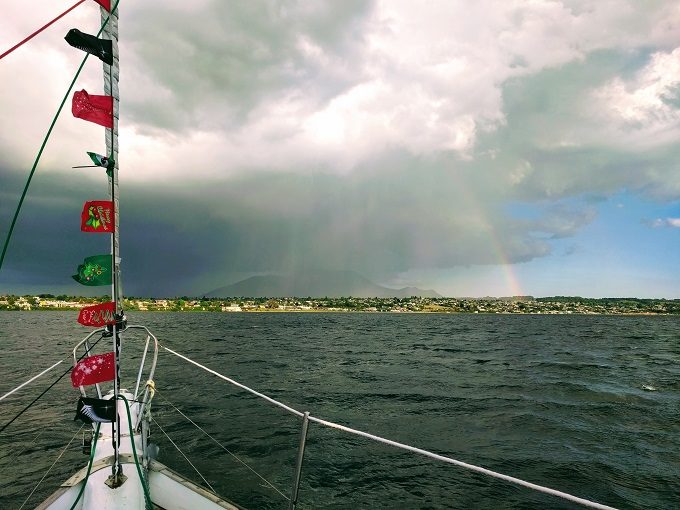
<point>169,491</point>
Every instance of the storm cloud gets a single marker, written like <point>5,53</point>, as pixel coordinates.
<point>374,136</point>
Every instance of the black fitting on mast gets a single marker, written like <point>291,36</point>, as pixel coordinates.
<point>121,325</point>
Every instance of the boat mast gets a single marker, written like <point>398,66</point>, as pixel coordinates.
<point>111,74</point>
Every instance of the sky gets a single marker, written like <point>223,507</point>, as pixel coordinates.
<point>487,148</point>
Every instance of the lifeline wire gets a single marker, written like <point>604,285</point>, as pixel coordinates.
<point>46,390</point>
<point>472,467</point>
<point>465,465</point>
<point>44,143</point>
<point>41,29</point>
<point>31,379</point>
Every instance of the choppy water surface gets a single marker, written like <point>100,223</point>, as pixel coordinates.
<point>585,404</point>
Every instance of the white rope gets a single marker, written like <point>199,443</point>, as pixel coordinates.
<point>53,464</point>
<point>242,386</point>
<point>267,482</point>
<point>471,467</point>
<point>30,380</point>
<point>185,457</point>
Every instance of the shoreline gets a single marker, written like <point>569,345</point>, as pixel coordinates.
<point>519,305</point>
<point>371,312</point>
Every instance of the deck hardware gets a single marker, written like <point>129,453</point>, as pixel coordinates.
<point>298,464</point>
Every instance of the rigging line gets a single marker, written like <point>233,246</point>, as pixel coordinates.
<point>44,143</point>
<point>46,390</point>
<point>53,464</point>
<point>16,453</point>
<point>224,447</point>
<point>41,29</point>
<point>185,457</point>
<point>31,379</point>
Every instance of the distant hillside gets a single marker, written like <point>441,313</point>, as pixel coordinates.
<point>325,284</point>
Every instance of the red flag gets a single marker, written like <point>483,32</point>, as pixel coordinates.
<point>98,315</point>
<point>97,109</point>
<point>97,216</point>
<point>93,370</point>
<point>106,4</point>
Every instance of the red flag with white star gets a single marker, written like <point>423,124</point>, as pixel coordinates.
<point>93,370</point>
<point>97,109</point>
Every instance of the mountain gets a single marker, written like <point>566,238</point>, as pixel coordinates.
<point>322,284</point>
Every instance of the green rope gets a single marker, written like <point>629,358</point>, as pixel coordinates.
<point>145,487</point>
<point>44,143</point>
<point>89,467</point>
<point>147,495</point>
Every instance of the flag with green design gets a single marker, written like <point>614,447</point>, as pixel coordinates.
<point>102,161</point>
<point>95,270</point>
<point>97,216</point>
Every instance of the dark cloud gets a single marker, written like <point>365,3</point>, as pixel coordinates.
<point>47,245</point>
<point>186,240</point>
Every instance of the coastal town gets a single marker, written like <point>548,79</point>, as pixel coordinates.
<point>415,304</point>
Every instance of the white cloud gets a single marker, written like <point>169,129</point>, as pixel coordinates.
<point>666,222</point>
<point>431,77</point>
<point>335,86</point>
<point>521,172</point>
<point>423,79</point>
<point>643,111</point>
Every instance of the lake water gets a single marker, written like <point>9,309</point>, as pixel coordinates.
<point>585,404</point>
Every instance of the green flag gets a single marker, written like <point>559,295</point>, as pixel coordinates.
<point>95,270</point>
<point>102,161</point>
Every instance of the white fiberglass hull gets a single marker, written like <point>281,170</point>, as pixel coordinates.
<point>169,491</point>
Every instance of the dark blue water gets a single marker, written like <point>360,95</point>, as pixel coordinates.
<point>585,404</point>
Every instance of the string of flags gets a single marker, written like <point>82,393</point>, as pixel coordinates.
<point>97,216</point>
